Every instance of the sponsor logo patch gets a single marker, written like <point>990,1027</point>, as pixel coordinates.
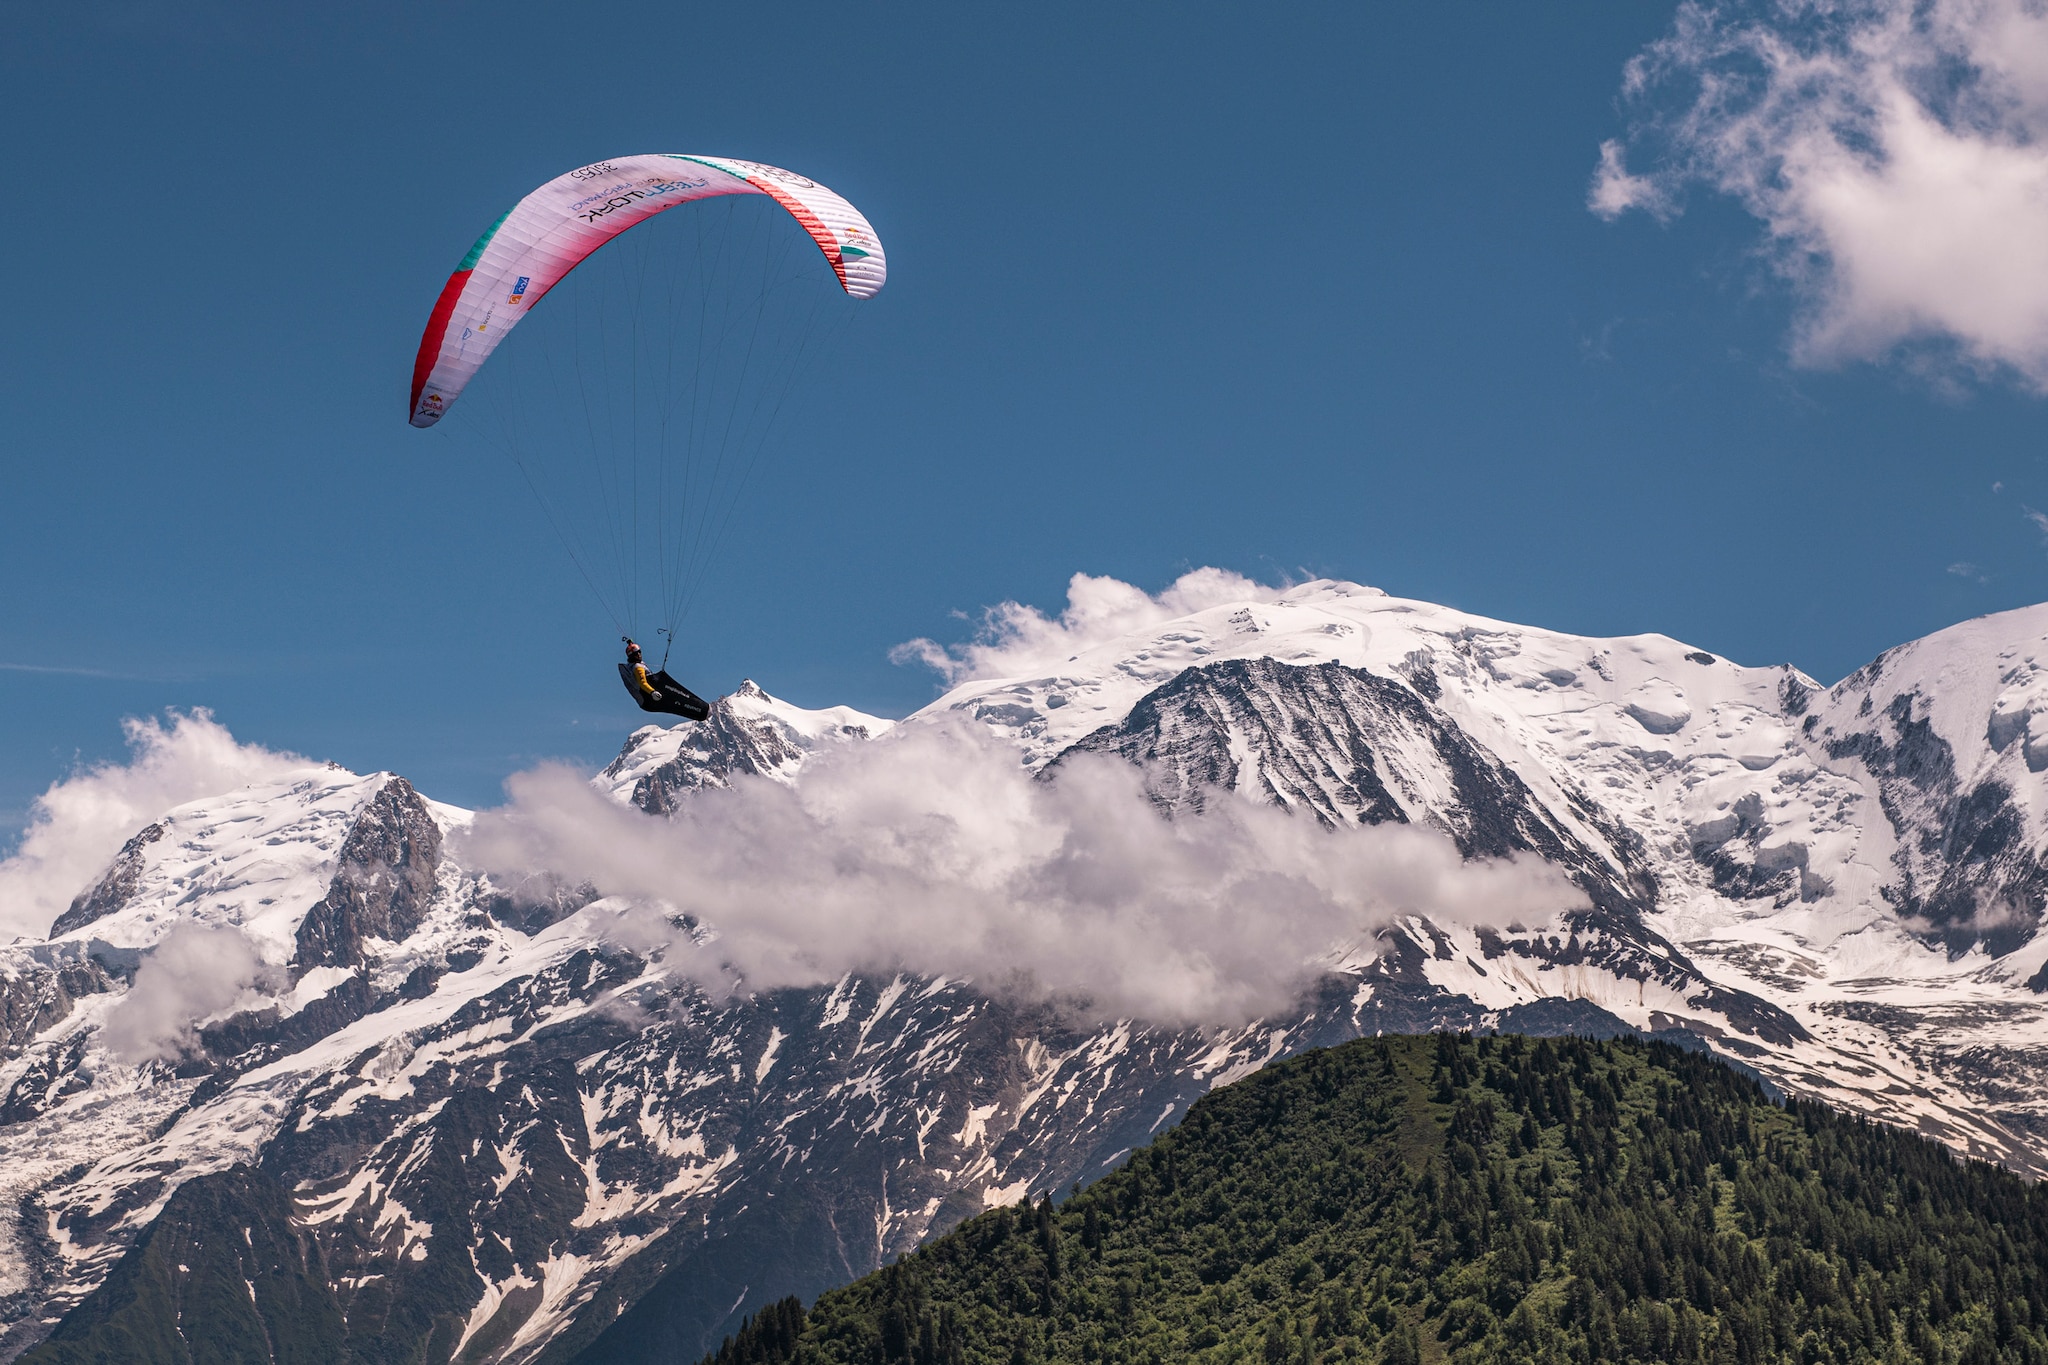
<point>519,289</point>
<point>777,173</point>
<point>626,198</point>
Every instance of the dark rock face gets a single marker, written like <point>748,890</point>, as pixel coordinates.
<point>1348,746</point>
<point>536,902</point>
<point>383,883</point>
<point>114,887</point>
<point>221,1275</point>
<point>1745,865</point>
<point>248,1040</point>
<point>729,742</point>
<point>1303,733</point>
<point>48,1080</point>
<point>38,997</point>
<point>1794,695</point>
<point>724,745</point>
<point>1966,873</point>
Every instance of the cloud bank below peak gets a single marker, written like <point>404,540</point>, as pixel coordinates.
<point>1893,152</point>
<point>931,850</point>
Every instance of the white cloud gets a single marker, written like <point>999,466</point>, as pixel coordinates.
<point>192,973</point>
<point>79,824</point>
<point>1615,191</point>
<point>1016,640</point>
<point>1893,150</point>
<point>933,851</point>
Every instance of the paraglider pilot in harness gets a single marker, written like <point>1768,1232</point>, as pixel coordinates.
<point>657,691</point>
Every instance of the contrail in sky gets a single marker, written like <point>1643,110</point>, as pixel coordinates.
<point>77,672</point>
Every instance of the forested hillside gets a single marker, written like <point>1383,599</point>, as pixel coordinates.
<point>1475,1200</point>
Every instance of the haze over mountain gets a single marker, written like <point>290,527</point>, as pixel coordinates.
<point>513,1081</point>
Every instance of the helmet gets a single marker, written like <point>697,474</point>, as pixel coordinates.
<point>631,649</point>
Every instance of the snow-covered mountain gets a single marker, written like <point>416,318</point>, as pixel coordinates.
<point>496,1130</point>
<point>748,732</point>
<point>1860,865</point>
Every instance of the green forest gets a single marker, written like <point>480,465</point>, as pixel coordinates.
<point>1474,1200</point>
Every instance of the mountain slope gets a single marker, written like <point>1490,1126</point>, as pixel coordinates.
<point>507,1127</point>
<point>1488,1201</point>
<point>221,1276</point>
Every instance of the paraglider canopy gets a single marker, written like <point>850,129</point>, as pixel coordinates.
<point>549,232</point>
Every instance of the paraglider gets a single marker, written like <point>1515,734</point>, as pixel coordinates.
<point>661,401</point>
<point>657,691</point>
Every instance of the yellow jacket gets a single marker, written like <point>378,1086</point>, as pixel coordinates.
<point>647,688</point>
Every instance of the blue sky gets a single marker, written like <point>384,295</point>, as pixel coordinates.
<point>1304,290</point>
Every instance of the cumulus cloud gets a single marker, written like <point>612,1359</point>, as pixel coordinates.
<point>1893,151</point>
<point>192,974</point>
<point>934,851</point>
<point>1015,639</point>
<point>78,825</point>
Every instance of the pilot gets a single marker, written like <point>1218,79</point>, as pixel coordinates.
<point>641,687</point>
